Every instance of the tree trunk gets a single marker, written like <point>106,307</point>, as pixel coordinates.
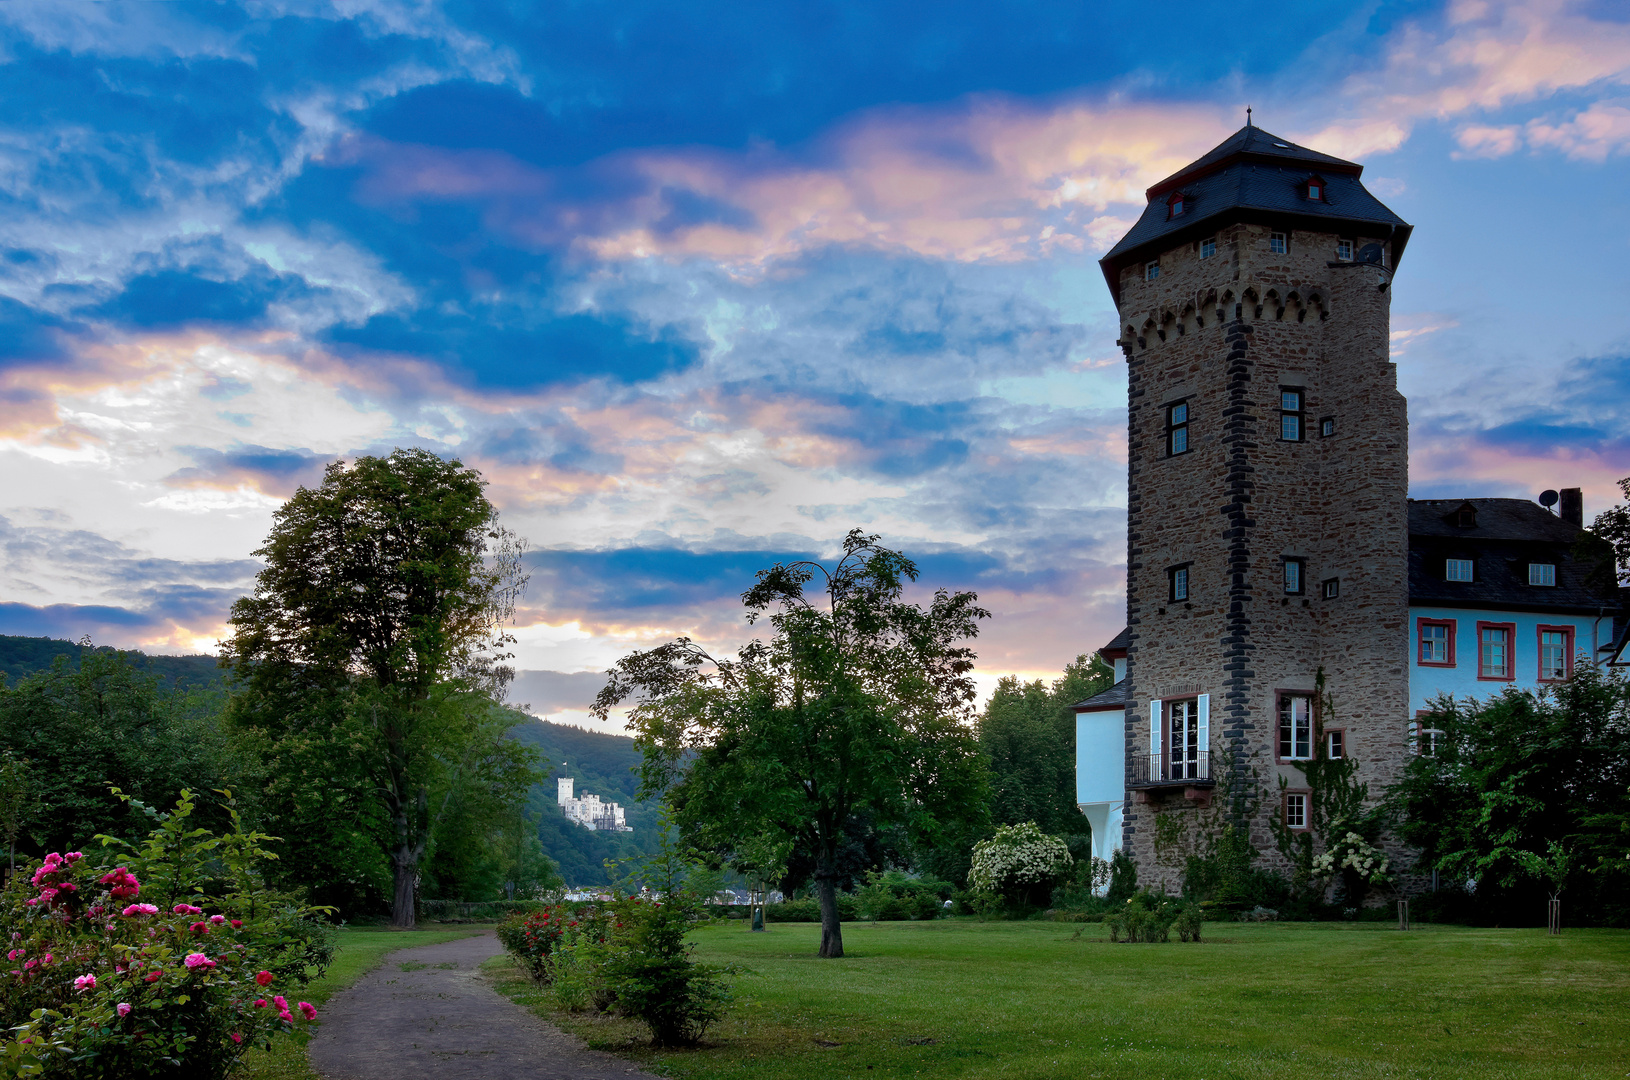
<point>405,868</point>
<point>831,928</point>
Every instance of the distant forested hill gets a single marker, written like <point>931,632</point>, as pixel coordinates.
<point>23,656</point>
<point>602,764</point>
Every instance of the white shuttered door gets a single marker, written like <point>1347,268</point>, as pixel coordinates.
<point>1154,725</point>
<point>1202,708</point>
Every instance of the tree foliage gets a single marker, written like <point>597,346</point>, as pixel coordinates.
<point>77,729</point>
<point>1609,538</point>
<point>369,657</point>
<point>848,721</point>
<point>1528,790</point>
<point>1028,732</point>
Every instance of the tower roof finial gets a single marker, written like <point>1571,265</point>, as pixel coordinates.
<point>1247,116</point>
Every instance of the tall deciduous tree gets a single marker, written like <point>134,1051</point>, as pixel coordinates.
<point>372,649</point>
<point>1609,539</point>
<point>852,717</point>
<point>1028,731</point>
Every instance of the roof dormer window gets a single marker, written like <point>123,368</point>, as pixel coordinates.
<point>1174,205</point>
<point>1313,189</point>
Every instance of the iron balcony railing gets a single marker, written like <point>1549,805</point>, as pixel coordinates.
<point>1178,768</point>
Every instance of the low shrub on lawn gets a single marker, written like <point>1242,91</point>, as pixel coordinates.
<point>895,897</point>
<point>171,962</point>
<point>1151,917</point>
<point>627,956</point>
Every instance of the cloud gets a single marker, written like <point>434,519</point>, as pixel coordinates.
<point>259,467</point>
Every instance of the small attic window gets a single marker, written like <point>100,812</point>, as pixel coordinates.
<point>1313,189</point>
<point>1175,205</point>
<point>1466,516</point>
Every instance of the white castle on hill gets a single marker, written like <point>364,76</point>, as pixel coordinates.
<point>589,811</point>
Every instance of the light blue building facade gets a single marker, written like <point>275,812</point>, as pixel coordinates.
<point>1498,598</point>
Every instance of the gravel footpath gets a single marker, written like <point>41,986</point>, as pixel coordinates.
<point>443,1020</point>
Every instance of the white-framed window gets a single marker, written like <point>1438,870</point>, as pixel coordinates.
<point>1178,579</point>
<point>1151,271</point>
<point>1277,244</point>
<point>1344,250</point>
<point>1290,415</point>
<point>1427,741</point>
<point>1330,588</point>
<point>1335,743</point>
<point>1293,577</point>
<point>1542,573</point>
<point>1296,809</point>
<point>1295,727</point>
<point>1434,642</point>
<point>1327,427</point>
<point>1315,191</point>
<point>1493,652</point>
<point>1457,569</point>
<point>1553,654</point>
<point>1208,247</point>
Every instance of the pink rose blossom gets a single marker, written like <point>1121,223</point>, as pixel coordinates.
<point>237,924</point>
<point>260,1003</point>
<point>84,983</point>
<point>187,909</point>
<point>198,960</point>
<point>263,978</point>
<point>217,919</point>
<point>141,909</point>
<point>286,1016</point>
<point>236,1037</point>
<point>198,928</point>
<point>123,1008</point>
<point>308,1011</point>
<point>281,1003</point>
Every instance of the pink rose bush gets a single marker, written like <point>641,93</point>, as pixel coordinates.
<point>96,987</point>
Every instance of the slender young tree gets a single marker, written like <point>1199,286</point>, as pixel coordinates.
<point>374,644</point>
<point>853,715</point>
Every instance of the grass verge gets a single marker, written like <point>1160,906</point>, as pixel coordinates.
<point>360,951</point>
<point>960,998</point>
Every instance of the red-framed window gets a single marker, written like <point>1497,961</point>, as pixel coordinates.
<point>1175,205</point>
<point>1297,808</point>
<point>1424,740</point>
<point>1296,726</point>
<point>1497,651</point>
<point>1435,642</point>
<point>1555,652</point>
<point>1313,189</point>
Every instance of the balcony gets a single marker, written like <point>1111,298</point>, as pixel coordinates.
<point>1156,774</point>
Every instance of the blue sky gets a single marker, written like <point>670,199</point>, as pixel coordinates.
<point>702,286</point>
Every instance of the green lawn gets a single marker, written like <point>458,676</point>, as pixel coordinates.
<point>360,951</point>
<point>960,998</point>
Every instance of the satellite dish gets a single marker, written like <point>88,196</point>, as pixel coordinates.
<point>1548,498</point>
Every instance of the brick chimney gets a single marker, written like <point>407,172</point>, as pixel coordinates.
<point>1572,508</point>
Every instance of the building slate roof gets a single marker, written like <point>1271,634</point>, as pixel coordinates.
<point>1508,535</point>
<point>1113,698</point>
<point>1254,174</point>
<point>1119,643</point>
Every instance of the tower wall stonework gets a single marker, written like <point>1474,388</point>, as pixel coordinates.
<point>1225,334</point>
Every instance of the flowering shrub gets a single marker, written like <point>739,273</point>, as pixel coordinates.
<point>99,983</point>
<point>1360,864</point>
<point>1019,862</point>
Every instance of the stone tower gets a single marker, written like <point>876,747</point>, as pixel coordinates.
<point>1267,532</point>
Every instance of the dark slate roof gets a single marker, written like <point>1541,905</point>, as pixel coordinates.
<point>1508,535</point>
<point>1253,143</point>
<point>1113,698</point>
<point>1254,175</point>
<point>1617,652</point>
<point>1119,643</point>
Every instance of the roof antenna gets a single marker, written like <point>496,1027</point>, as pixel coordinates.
<point>1247,116</point>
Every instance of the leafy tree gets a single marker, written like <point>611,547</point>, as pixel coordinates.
<point>103,722</point>
<point>1608,540</point>
<point>848,722</point>
<point>1518,784</point>
<point>1028,732</point>
<point>371,652</point>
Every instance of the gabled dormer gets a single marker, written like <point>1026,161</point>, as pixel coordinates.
<point>1177,203</point>
<point>1314,189</point>
<point>1464,516</point>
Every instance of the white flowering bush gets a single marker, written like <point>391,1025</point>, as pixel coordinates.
<point>1019,860</point>
<point>1352,855</point>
